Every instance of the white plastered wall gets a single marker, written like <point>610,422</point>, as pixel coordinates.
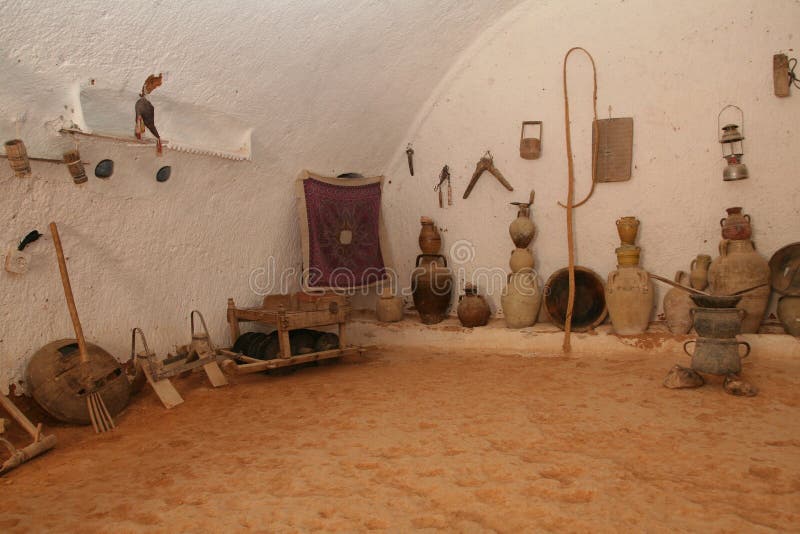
<point>329,85</point>
<point>672,66</point>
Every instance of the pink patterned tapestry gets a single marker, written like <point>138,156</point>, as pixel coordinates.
<point>343,234</point>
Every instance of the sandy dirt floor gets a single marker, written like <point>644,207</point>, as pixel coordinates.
<point>462,442</point>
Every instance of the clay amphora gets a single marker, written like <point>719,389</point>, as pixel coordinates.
<point>521,299</point>
<point>522,229</point>
<point>629,297</point>
<point>716,356</point>
<point>627,228</point>
<point>472,308</point>
<point>677,304</point>
<point>430,242</point>
<point>389,308</point>
<point>719,323</point>
<point>789,314</point>
<point>699,275</point>
<point>521,259</point>
<point>740,267</point>
<point>736,225</point>
<point>432,287</point>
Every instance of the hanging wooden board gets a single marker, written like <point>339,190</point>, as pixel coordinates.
<point>614,142</point>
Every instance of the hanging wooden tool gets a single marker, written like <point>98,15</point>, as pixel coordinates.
<point>444,176</point>
<point>571,189</point>
<point>410,157</point>
<point>41,443</point>
<point>486,163</point>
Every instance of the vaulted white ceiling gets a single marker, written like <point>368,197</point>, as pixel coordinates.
<point>327,84</point>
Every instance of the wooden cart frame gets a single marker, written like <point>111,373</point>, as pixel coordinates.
<point>286,313</point>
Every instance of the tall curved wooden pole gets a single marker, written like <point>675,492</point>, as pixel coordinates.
<point>566,346</point>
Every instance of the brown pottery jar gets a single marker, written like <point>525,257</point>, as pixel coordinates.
<point>430,242</point>
<point>472,308</point>
<point>736,225</point>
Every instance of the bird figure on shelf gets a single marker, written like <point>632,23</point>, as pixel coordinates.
<point>145,112</point>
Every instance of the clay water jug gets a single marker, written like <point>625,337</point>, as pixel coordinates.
<point>677,306</point>
<point>389,308</point>
<point>522,229</point>
<point>629,297</point>
<point>740,267</point>
<point>736,225</point>
<point>627,228</point>
<point>521,299</point>
<point>789,314</point>
<point>472,308</point>
<point>521,259</point>
<point>432,287</point>
<point>699,273</point>
<point>430,242</point>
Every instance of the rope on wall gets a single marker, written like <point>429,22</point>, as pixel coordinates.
<point>566,346</point>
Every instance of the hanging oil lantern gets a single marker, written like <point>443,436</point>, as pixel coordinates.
<point>732,148</point>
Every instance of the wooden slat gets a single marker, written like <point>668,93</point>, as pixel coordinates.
<point>295,360</point>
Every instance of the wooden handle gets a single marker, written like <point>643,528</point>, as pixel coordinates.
<point>73,311</point>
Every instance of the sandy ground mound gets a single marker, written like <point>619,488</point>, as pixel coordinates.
<point>403,440</point>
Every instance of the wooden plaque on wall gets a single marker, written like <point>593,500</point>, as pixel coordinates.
<point>614,149</point>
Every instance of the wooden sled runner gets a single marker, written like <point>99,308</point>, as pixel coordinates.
<point>286,313</point>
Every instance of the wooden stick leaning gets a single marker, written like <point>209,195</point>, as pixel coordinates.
<point>98,413</point>
<point>566,346</point>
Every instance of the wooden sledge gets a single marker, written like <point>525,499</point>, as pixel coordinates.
<point>286,313</point>
<point>41,443</point>
<point>200,353</point>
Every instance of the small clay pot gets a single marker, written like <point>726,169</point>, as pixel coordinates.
<point>699,271</point>
<point>627,228</point>
<point>430,242</point>
<point>736,225</point>
<point>521,259</point>
<point>472,308</point>
<point>628,256</point>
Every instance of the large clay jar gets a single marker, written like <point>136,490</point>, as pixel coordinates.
<point>699,275</point>
<point>627,228</point>
<point>432,287</point>
<point>521,259</point>
<point>430,242</point>
<point>789,314</point>
<point>389,308</point>
<point>740,267</point>
<point>677,306</point>
<point>629,297</point>
<point>736,225</point>
<point>522,229</point>
<point>472,308</point>
<point>521,299</point>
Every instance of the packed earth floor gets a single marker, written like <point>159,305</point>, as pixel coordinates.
<point>400,440</point>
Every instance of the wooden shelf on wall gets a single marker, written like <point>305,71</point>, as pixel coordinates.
<point>166,144</point>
